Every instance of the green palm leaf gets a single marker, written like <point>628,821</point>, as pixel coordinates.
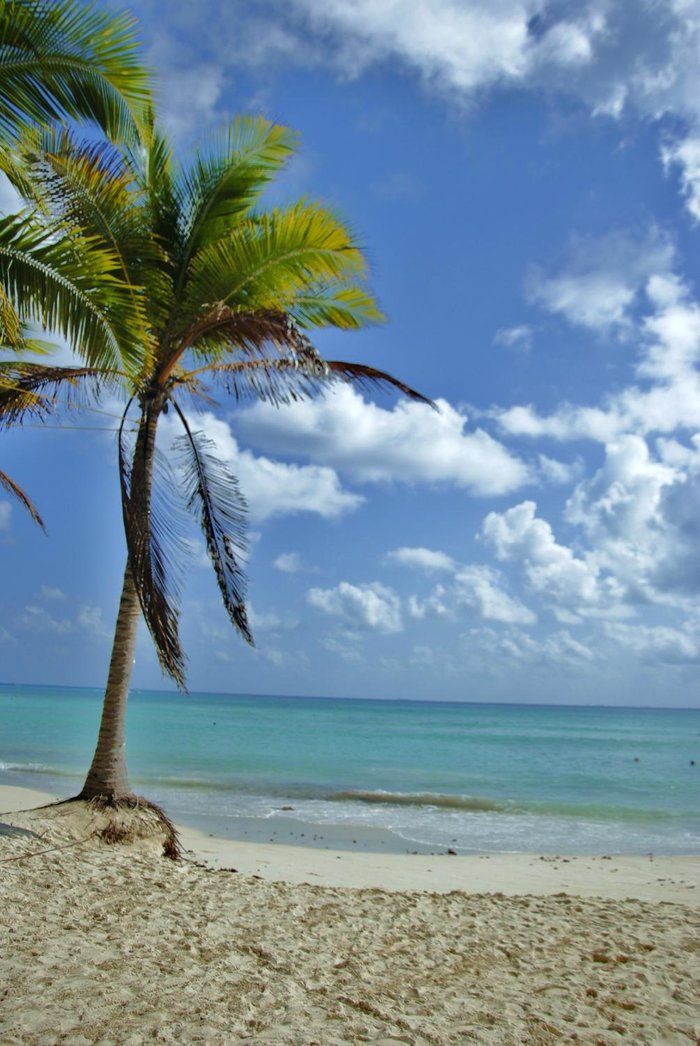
<point>67,285</point>
<point>70,59</point>
<point>271,259</point>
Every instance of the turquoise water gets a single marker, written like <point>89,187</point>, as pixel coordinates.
<point>476,777</point>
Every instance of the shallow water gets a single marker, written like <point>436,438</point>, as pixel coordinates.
<point>475,777</point>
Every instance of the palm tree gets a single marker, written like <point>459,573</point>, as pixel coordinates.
<point>58,60</point>
<point>224,293</point>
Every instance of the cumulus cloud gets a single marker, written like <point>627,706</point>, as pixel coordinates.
<point>480,587</point>
<point>615,56</point>
<point>477,588</point>
<point>655,642</point>
<point>372,607</point>
<point>272,488</point>
<point>423,558</point>
<point>620,511</point>
<point>409,443</point>
<point>558,472</point>
<point>684,154</point>
<point>637,520</point>
<point>87,619</point>
<point>515,646</point>
<point>571,585</point>
<point>666,397</point>
<point>602,279</point>
<point>270,621</point>
<point>288,562</point>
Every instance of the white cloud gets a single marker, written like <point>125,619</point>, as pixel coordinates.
<point>492,648</point>
<point>615,56</point>
<point>189,89</point>
<point>519,337</point>
<point>87,619</point>
<point>558,472</point>
<point>38,619</point>
<point>567,583</point>
<point>288,562</point>
<point>372,606</point>
<point>50,592</point>
<point>685,154</point>
<point>5,515</point>
<point>655,643</point>
<point>620,511</point>
<point>438,605</point>
<point>480,587</point>
<point>602,279</point>
<point>270,621</point>
<point>272,488</point>
<point>411,443</point>
<point>667,397</point>
<point>476,587</point>
<point>423,558</point>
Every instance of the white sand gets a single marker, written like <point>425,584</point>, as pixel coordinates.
<point>115,944</point>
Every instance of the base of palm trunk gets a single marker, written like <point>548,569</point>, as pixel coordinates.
<point>123,829</point>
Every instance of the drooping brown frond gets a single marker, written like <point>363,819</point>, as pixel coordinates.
<point>371,378</point>
<point>287,380</point>
<point>213,494</point>
<point>150,526</point>
<point>299,372</point>
<point>222,330</point>
<point>10,487</point>
<point>31,389</point>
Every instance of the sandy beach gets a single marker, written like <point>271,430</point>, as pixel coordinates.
<point>116,944</point>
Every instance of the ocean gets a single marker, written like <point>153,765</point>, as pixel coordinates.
<point>476,778</point>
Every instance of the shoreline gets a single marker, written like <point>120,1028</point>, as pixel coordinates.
<point>655,878</point>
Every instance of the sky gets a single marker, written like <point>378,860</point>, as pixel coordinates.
<point>525,178</point>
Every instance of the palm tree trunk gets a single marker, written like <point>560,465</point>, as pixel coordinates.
<point>107,777</point>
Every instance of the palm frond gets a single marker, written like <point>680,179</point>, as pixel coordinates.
<point>287,380</point>
<point>268,261</point>
<point>70,59</point>
<point>67,284</point>
<point>10,487</point>
<point>87,186</point>
<point>213,494</point>
<point>222,330</point>
<point>228,176</point>
<point>150,527</point>
<point>31,389</point>
<point>347,307</point>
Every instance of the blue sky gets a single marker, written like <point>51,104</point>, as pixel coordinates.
<point>525,176</point>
